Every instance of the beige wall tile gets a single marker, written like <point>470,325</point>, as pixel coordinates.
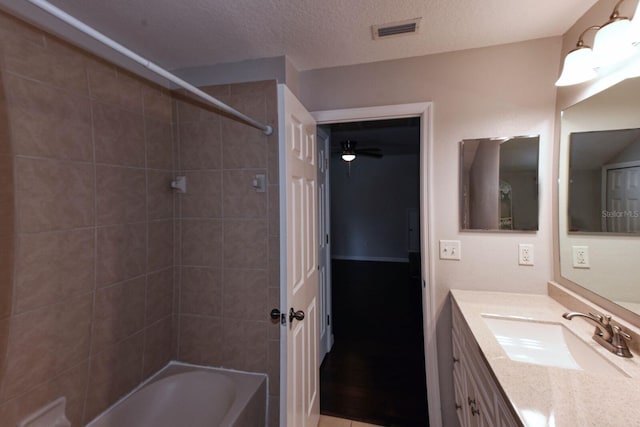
<point>44,343</point>
<point>200,340</point>
<point>274,411</point>
<point>245,345</point>
<point>110,87</point>
<point>244,146</point>
<point>245,292</point>
<point>274,210</point>
<point>53,194</point>
<point>118,135</point>
<point>202,243</point>
<point>122,253</point>
<point>200,145</point>
<point>204,196</point>
<point>119,313</point>
<point>71,383</point>
<point>56,64</point>
<point>159,140</point>
<point>201,291</point>
<point>158,104</point>
<point>105,388</point>
<point>157,346</point>
<point>273,364</point>
<point>120,195</point>
<point>245,244</point>
<point>160,244</point>
<point>159,296</point>
<point>48,122</point>
<point>159,194</point>
<point>240,199</point>
<point>53,266</point>
<point>14,27</point>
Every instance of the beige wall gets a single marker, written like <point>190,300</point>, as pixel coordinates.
<point>497,91</point>
<point>93,286</point>
<point>228,254</point>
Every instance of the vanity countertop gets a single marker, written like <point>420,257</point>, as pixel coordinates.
<point>549,396</point>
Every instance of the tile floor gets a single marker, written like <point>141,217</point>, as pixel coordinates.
<point>327,421</point>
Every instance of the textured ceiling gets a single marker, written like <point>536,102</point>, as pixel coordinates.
<point>316,33</point>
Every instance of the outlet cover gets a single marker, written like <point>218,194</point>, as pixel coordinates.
<point>525,254</point>
<point>450,249</point>
<point>581,257</point>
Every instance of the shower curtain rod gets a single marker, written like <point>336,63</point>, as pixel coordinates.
<point>91,32</point>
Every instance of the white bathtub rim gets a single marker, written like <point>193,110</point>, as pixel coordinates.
<point>159,375</point>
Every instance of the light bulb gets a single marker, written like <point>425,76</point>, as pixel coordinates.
<point>578,67</point>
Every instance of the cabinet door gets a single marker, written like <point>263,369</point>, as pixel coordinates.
<point>459,384</point>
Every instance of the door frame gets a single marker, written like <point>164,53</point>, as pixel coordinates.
<point>423,110</point>
<point>326,296</point>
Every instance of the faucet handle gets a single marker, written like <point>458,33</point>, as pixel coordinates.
<point>618,331</point>
<point>619,341</point>
<point>604,319</point>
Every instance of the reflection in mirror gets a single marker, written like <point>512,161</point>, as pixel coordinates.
<point>599,137</point>
<point>499,183</point>
<point>604,181</point>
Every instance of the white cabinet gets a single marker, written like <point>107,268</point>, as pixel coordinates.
<point>479,400</point>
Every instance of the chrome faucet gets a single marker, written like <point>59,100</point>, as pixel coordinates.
<point>607,335</point>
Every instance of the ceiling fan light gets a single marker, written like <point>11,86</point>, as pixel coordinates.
<point>578,67</point>
<point>348,157</point>
<point>612,43</point>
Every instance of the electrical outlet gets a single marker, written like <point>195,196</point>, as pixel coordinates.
<point>525,254</point>
<point>450,249</point>
<point>581,257</point>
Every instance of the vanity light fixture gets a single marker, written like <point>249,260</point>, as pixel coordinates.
<point>612,43</point>
<point>579,65</point>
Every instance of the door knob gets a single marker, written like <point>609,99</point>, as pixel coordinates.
<point>298,315</point>
<point>275,314</point>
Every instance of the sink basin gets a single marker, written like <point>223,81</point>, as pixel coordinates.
<point>547,344</point>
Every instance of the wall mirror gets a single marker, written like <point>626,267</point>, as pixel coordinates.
<point>598,206</point>
<point>499,183</point>
<point>604,181</point>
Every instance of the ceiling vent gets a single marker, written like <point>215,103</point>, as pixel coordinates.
<point>393,29</point>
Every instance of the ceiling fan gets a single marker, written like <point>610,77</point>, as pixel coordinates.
<point>350,152</point>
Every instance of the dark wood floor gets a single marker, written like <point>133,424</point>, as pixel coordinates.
<point>375,371</point>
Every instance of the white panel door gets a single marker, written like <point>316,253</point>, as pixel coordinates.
<point>623,200</point>
<point>298,158</point>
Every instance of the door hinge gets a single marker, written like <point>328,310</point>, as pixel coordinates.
<point>328,320</point>
<point>327,239</point>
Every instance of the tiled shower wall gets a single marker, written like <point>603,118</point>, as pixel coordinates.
<point>111,275</point>
<point>88,311</point>
<point>229,246</point>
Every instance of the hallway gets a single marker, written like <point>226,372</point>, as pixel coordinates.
<point>375,371</point>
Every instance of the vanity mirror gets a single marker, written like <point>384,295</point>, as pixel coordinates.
<point>598,200</point>
<point>499,183</point>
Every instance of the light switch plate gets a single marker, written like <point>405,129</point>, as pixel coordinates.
<point>450,249</point>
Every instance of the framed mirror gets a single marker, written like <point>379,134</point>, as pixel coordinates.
<point>598,234</point>
<point>499,183</point>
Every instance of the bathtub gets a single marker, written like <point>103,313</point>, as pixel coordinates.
<point>182,395</point>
